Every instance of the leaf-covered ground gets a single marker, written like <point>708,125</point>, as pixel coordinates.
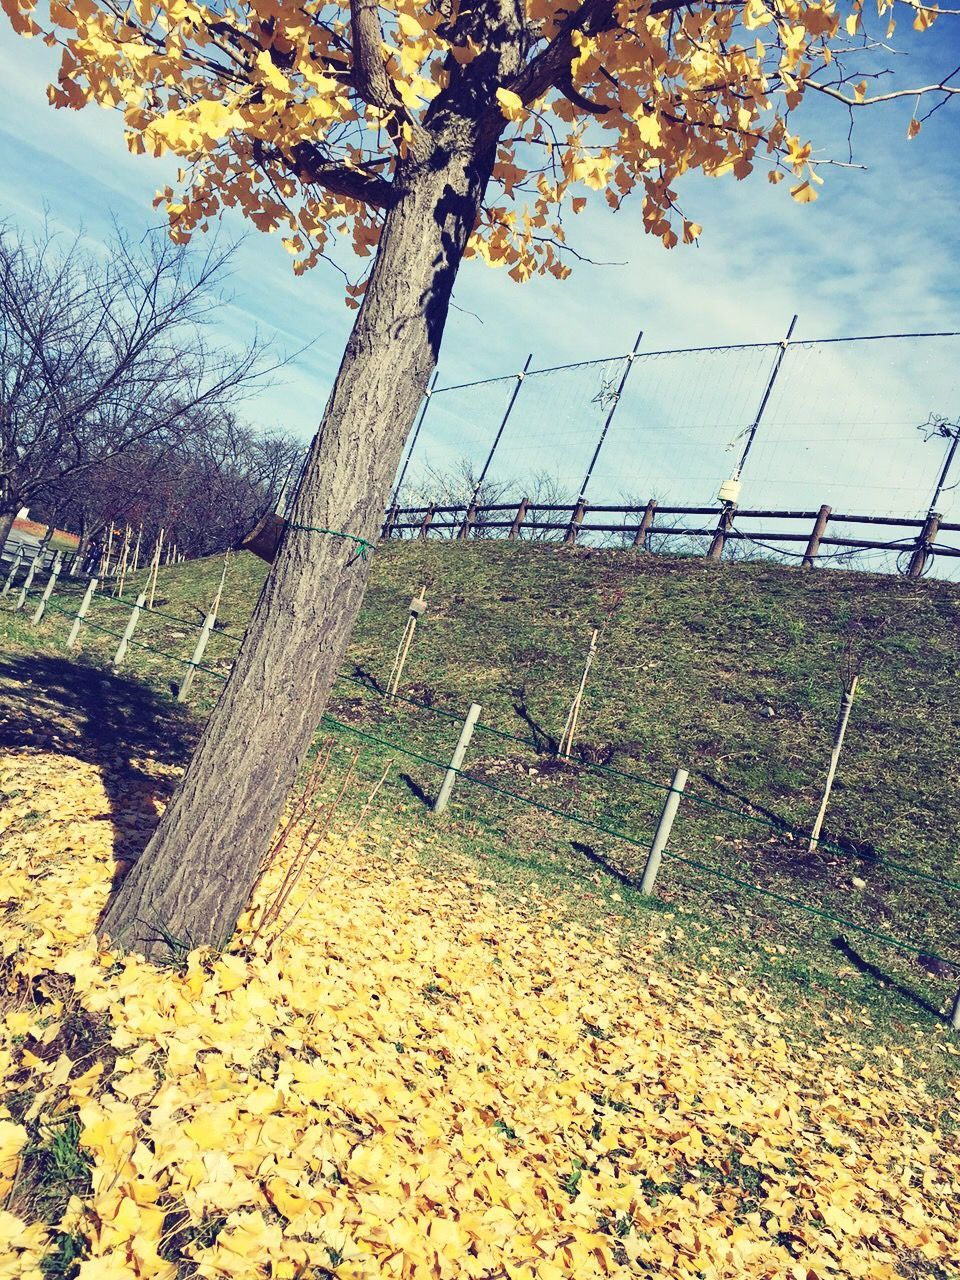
<point>731,670</point>
<point>409,1077</point>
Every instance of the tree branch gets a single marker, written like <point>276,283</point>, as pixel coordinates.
<point>942,87</point>
<point>310,164</point>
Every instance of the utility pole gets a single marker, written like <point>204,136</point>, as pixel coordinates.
<point>496,439</point>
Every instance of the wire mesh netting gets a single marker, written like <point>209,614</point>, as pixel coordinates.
<point>846,422</point>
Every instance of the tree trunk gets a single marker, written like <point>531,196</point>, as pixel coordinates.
<point>6,525</point>
<point>194,877</point>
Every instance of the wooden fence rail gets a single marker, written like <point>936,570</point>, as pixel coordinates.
<point>640,524</point>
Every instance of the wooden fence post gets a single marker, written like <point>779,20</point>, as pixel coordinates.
<point>664,827</point>
<point>576,520</point>
<point>518,519</point>
<point>125,639</point>
<point>724,525</point>
<point>469,520</point>
<point>640,537</point>
<point>928,536</point>
<point>14,566</point>
<point>81,613</point>
<point>389,522</point>
<point>456,760</point>
<point>819,528</point>
<point>426,522</point>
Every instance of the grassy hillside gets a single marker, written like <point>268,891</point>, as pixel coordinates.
<point>730,670</point>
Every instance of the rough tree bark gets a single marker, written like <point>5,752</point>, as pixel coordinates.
<point>193,879</point>
<point>6,524</point>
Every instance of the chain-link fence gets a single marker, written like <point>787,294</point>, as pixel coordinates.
<point>861,424</point>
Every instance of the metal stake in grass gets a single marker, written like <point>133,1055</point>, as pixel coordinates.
<point>664,827</point>
<point>201,645</point>
<point>131,627</point>
<point>81,613</point>
<point>573,715</point>
<point>456,760</point>
<point>417,606</point>
<point>47,592</point>
<point>28,580</point>
<point>14,566</point>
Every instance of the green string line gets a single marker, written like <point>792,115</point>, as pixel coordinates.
<point>770,825</point>
<point>782,827</point>
<point>137,644</point>
<point>365,546</point>
<point>911,948</point>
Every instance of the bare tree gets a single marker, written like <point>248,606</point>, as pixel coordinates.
<point>207,488</point>
<point>101,355</point>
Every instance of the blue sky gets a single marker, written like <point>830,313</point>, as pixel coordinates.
<point>879,250</point>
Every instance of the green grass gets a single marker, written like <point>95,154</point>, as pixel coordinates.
<point>730,670</point>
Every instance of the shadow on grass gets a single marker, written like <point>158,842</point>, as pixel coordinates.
<point>608,868</point>
<point>107,720</point>
<point>418,791</point>
<point>543,741</point>
<point>879,975</point>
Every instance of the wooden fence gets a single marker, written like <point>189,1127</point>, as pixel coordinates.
<point>639,525</point>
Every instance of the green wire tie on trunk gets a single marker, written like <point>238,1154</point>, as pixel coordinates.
<point>365,546</point>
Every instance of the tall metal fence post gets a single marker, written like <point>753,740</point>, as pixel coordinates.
<point>497,438</point>
<point>81,613</point>
<point>730,489</point>
<point>627,366</point>
<point>131,626</point>
<point>47,593</point>
<point>415,435</point>
<point>768,392</point>
<point>664,827</point>
<point>819,529</point>
<point>456,760</point>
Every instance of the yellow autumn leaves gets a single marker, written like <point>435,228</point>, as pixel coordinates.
<point>413,1079</point>
<point>241,96</point>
